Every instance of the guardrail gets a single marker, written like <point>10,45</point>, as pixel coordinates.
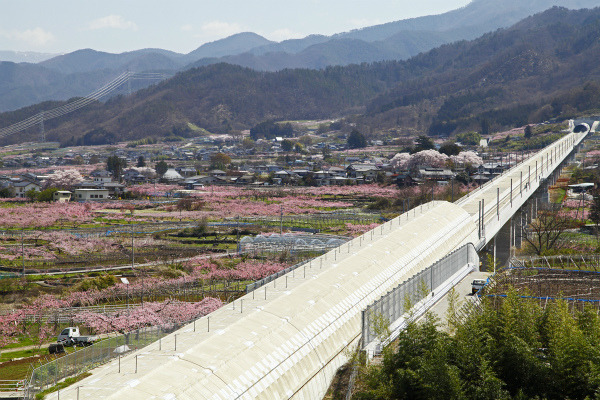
<point>523,183</point>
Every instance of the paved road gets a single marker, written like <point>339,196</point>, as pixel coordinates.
<point>463,288</point>
<point>128,266</point>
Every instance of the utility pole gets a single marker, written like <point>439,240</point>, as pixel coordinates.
<point>23,251</point>
<point>132,251</point>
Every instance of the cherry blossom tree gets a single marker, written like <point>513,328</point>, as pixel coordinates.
<point>467,158</point>
<point>146,171</point>
<point>427,158</point>
<point>400,161</point>
<point>64,179</point>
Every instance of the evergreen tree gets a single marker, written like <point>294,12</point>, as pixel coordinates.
<point>116,165</point>
<point>423,143</point>
<point>450,149</point>
<point>287,145</point>
<point>161,167</point>
<point>356,140</point>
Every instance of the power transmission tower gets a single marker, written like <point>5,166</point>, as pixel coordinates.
<point>128,83</point>
<point>42,129</point>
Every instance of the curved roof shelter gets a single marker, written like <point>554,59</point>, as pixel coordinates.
<point>288,338</point>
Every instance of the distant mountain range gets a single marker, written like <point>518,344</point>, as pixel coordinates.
<point>25,56</point>
<point>81,72</point>
<point>543,67</point>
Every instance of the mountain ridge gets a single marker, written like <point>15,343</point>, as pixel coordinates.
<point>397,40</point>
<point>529,72</point>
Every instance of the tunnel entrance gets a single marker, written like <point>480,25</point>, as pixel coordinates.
<point>581,128</point>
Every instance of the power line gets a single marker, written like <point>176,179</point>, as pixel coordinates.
<point>41,117</point>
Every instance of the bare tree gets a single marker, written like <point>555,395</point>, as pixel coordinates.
<point>547,231</point>
<point>594,215</point>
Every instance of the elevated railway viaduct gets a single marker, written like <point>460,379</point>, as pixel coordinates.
<point>287,339</point>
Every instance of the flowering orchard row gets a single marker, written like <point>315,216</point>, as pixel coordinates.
<point>151,313</point>
<point>52,245</point>
<point>31,321</point>
<point>28,320</point>
<point>370,190</point>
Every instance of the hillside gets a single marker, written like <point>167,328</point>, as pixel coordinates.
<point>519,75</point>
<point>235,44</point>
<point>398,40</point>
<point>25,84</point>
<point>542,67</point>
<point>89,60</point>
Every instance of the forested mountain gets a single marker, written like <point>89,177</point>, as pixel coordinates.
<point>391,41</point>
<point>89,60</point>
<point>235,44</point>
<point>25,84</point>
<point>398,40</point>
<point>511,77</point>
<point>543,67</point>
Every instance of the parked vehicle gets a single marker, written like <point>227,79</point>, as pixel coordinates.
<point>56,348</point>
<point>477,284</point>
<point>70,337</point>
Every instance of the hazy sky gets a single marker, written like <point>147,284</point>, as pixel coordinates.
<point>59,26</point>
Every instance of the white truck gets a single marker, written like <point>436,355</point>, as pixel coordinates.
<point>477,284</point>
<point>70,337</point>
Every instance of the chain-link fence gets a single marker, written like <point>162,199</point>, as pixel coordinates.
<point>577,288</point>
<point>394,304</point>
<point>309,222</point>
<point>126,229</point>
<point>85,359</point>
<point>261,282</point>
<point>68,263</point>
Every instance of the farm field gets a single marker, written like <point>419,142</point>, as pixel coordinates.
<point>113,267</point>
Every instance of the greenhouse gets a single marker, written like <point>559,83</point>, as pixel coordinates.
<point>292,243</point>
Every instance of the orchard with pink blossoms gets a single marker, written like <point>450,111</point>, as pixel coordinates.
<point>151,313</point>
<point>208,269</point>
<point>45,215</point>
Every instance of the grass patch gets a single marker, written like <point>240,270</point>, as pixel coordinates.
<point>19,369</point>
<point>23,341</point>
<point>557,196</point>
<point>66,383</point>
<point>9,355</point>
